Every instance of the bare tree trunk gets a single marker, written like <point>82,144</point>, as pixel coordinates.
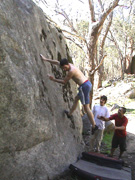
<point>129,58</point>
<point>101,68</point>
<point>122,68</point>
<point>120,55</point>
<point>94,32</point>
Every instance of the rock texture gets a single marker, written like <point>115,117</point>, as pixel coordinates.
<point>37,142</point>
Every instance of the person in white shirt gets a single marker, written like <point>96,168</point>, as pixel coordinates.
<point>99,110</point>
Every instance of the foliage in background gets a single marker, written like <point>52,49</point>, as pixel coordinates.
<point>111,63</point>
<point>120,45</point>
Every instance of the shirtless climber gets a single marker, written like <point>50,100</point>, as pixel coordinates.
<point>84,87</point>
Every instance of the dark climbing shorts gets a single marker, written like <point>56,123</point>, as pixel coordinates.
<point>84,92</point>
<point>119,141</point>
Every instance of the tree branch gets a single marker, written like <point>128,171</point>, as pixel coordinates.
<point>117,46</point>
<point>65,31</point>
<point>107,11</point>
<point>64,14</point>
<point>75,35</point>
<point>101,5</point>
<point>91,7</point>
<point>107,29</point>
<point>77,44</point>
<point>101,62</point>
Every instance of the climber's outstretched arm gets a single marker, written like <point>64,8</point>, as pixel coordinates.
<point>49,60</point>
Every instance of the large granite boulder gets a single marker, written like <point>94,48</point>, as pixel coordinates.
<point>37,142</point>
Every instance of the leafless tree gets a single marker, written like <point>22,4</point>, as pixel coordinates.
<point>89,43</point>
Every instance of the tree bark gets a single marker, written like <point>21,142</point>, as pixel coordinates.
<point>101,68</point>
<point>129,58</point>
<point>120,55</point>
<point>94,32</point>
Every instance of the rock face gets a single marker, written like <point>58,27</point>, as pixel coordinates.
<point>37,142</point>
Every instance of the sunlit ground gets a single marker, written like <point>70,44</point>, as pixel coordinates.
<point>130,114</point>
<point>131,124</point>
